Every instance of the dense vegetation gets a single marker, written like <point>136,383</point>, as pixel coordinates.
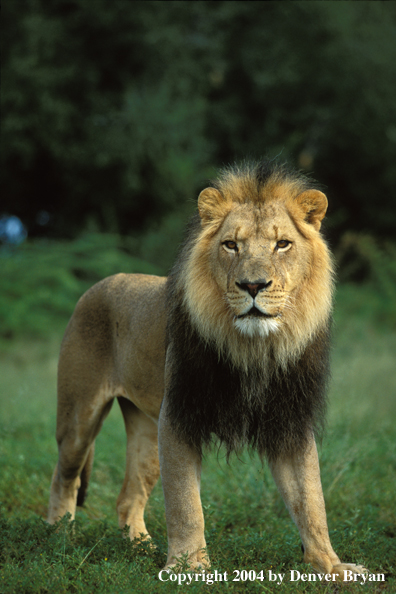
<point>115,114</point>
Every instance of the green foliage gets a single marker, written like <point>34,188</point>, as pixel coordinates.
<point>247,525</point>
<point>117,112</point>
<point>41,281</point>
<point>362,261</point>
<point>75,559</point>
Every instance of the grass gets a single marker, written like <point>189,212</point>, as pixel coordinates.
<point>247,526</point>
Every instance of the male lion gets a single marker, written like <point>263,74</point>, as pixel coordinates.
<point>234,344</point>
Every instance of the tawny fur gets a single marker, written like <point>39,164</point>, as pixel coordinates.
<point>247,305</point>
<point>305,309</point>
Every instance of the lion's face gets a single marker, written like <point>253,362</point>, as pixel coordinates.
<point>258,259</point>
<point>258,267</point>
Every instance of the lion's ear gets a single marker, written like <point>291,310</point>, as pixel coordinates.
<point>314,205</point>
<point>210,205</point>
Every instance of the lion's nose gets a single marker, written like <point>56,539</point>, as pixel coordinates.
<point>253,287</point>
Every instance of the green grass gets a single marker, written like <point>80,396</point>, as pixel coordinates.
<point>247,525</point>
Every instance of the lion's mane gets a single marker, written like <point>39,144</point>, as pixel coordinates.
<point>267,393</point>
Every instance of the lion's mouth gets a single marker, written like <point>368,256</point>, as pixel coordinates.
<point>255,313</point>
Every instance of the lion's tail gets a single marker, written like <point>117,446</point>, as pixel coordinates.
<point>85,475</point>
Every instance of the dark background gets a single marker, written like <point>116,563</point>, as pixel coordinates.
<point>115,114</point>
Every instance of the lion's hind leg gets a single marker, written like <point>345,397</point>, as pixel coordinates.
<point>142,468</point>
<point>85,476</point>
<point>76,448</point>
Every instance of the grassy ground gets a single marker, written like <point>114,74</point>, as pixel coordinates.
<point>246,523</point>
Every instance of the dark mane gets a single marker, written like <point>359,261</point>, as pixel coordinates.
<point>270,408</point>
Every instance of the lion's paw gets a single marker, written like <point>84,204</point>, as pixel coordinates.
<point>349,572</point>
<point>197,563</point>
<point>190,568</point>
<point>144,542</point>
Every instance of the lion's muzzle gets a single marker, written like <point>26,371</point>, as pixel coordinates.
<point>253,287</point>
<point>254,312</point>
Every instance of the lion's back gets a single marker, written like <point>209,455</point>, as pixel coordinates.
<point>116,337</point>
<point>120,303</point>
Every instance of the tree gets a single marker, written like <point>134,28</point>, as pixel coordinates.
<point>115,114</point>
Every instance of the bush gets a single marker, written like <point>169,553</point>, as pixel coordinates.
<point>363,262</point>
<point>42,280</point>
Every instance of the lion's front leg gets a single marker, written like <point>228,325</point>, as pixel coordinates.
<point>298,479</point>
<point>180,474</point>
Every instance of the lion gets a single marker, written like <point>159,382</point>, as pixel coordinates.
<point>232,347</point>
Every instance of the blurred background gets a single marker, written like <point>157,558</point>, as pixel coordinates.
<point>116,115</point>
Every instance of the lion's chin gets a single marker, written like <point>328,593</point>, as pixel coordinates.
<point>257,326</point>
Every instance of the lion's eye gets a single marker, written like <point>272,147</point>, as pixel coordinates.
<point>283,244</point>
<point>230,246</point>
